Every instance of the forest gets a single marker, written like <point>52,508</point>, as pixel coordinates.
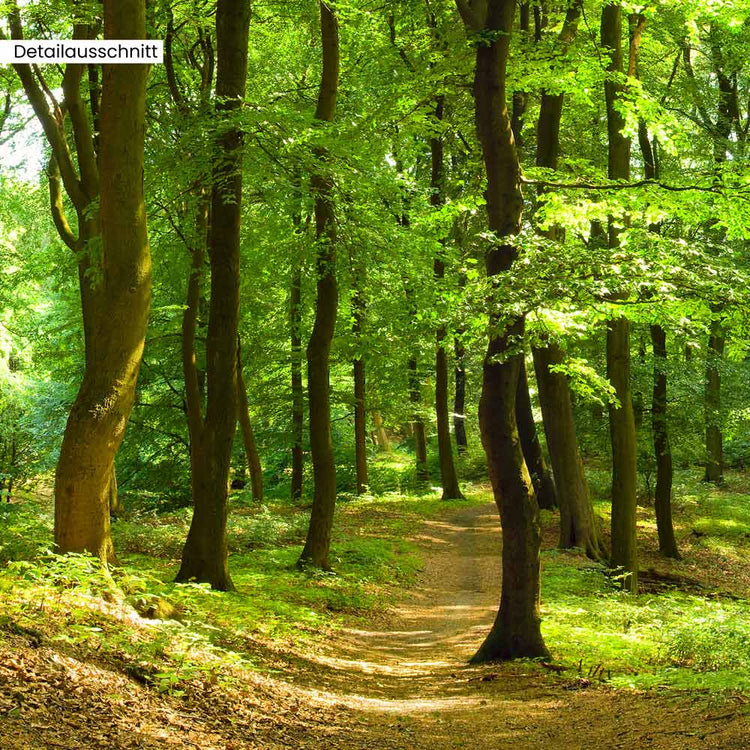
<point>376,374</point>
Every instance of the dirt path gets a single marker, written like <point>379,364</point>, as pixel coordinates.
<point>406,683</point>
<point>400,683</point>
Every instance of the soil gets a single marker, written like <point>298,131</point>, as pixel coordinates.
<point>398,682</point>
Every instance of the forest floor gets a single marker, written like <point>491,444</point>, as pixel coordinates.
<point>396,679</point>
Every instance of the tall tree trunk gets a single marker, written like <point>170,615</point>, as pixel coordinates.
<point>298,395</point>
<point>448,475</point>
<point>659,423</point>
<point>714,441</point>
<point>459,400</point>
<point>516,631</point>
<point>315,551</point>
<point>248,436</point>
<point>97,421</point>
<point>204,556</point>
<point>621,417</point>
<point>358,369</point>
<point>662,449</point>
<point>578,527</point>
<point>544,485</point>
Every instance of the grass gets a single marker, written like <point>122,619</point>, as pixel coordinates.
<point>694,636</point>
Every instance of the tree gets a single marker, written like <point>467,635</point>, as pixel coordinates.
<point>317,544</point>
<point>621,417</point>
<point>204,556</point>
<point>114,266</point>
<point>516,631</point>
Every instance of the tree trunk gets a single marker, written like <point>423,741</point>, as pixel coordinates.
<point>544,485</point>
<point>115,503</point>
<point>358,370</point>
<point>662,449</point>
<point>578,527</point>
<point>97,421</point>
<point>714,442</point>
<point>204,556</point>
<point>420,434</point>
<point>315,552</point>
<point>248,436</point>
<point>448,475</point>
<point>298,396</point>
<point>459,400</point>
<point>621,417</point>
<point>381,436</point>
<point>516,631</point>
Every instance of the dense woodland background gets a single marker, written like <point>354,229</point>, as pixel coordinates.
<point>373,254</point>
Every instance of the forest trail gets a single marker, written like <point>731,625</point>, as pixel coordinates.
<point>407,681</point>
<point>401,682</point>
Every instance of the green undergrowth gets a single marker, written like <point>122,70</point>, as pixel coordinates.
<point>673,638</point>
<point>167,635</point>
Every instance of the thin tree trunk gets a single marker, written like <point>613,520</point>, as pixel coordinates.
<point>298,396</point>
<point>459,401</point>
<point>381,436</point>
<point>358,370</point>
<point>621,417</point>
<point>448,475</point>
<point>662,449</point>
<point>420,434</point>
<point>516,631</point>
<point>97,421</point>
<point>544,485</point>
<point>315,551</point>
<point>714,441</point>
<point>204,556</point>
<point>659,423</point>
<point>248,436</point>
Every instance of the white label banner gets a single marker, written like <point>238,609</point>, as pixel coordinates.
<point>123,51</point>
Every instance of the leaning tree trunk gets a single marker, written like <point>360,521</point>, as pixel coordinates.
<point>516,631</point>
<point>448,475</point>
<point>97,421</point>
<point>315,551</point>
<point>621,416</point>
<point>578,527</point>
<point>544,485</point>
<point>204,556</point>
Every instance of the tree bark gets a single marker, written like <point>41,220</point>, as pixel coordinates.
<point>204,556</point>
<point>248,436</point>
<point>358,370</point>
<point>714,441</point>
<point>420,434</point>
<point>315,551</point>
<point>448,475</point>
<point>662,449</point>
<point>544,485</point>
<point>578,527</point>
<point>381,436</point>
<point>621,417</point>
<point>516,631</point>
<point>97,421</point>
